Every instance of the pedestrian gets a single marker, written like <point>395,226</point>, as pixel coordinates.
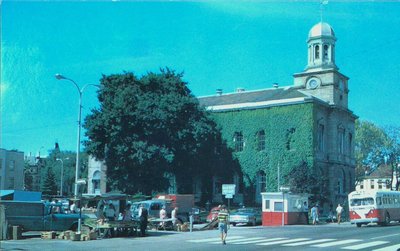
<point>143,215</point>
<point>223,223</point>
<point>163,216</point>
<point>110,212</point>
<point>174,216</point>
<point>72,208</point>
<point>339,211</point>
<point>305,210</point>
<point>314,214</point>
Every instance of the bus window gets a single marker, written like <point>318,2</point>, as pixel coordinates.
<point>362,202</point>
<point>379,201</point>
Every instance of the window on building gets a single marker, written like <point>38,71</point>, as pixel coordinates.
<point>261,140</point>
<point>11,183</point>
<point>340,140</point>
<point>326,54</point>
<point>350,143</point>
<point>278,206</point>
<point>262,181</point>
<point>372,184</point>
<point>290,138</point>
<point>341,182</point>
<point>12,165</point>
<point>239,142</point>
<point>317,52</point>
<point>267,206</point>
<point>320,137</point>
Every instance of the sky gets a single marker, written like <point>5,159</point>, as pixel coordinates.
<point>217,44</point>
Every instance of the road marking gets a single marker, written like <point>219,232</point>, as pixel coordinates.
<point>381,237</point>
<point>389,248</point>
<point>214,239</point>
<point>239,240</point>
<point>282,242</point>
<point>307,242</point>
<point>257,241</point>
<point>335,243</point>
<point>365,245</point>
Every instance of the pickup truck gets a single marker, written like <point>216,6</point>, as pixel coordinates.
<point>40,216</point>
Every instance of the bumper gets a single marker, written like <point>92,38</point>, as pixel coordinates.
<point>365,221</point>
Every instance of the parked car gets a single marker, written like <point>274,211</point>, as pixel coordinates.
<point>199,215</point>
<point>246,215</point>
<point>213,213</point>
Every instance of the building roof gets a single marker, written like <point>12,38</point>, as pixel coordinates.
<point>321,29</point>
<point>254,99</point>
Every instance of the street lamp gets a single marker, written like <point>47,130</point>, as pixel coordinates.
<point>283,190</point>
<point>78,143</point>
<point>62,174</point>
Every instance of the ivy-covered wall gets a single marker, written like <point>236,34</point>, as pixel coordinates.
<point>288,139</point>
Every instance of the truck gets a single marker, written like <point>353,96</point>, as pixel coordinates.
<point>185,203</point>
<point>39,216</point>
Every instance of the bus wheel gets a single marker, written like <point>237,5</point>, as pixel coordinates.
<point>358,224</point>
<point>387,219</point>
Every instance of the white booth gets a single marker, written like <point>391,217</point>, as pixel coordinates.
<point>282,208</point>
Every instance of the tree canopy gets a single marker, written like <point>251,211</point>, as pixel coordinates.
<point>147,127</point>
<point>375,146</point>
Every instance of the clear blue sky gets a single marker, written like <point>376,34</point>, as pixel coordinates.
<point>217,45</point>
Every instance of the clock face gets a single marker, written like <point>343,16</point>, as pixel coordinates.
<point>313,83</point>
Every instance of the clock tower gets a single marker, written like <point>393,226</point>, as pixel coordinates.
<point>322,78</point>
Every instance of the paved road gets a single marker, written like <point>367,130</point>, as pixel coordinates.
<point>321,237</point>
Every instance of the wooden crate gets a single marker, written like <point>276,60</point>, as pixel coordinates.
<point>48,235</point>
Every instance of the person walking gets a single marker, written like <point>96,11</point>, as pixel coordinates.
<point>163,216</point>
<point>314,214</point>
<point>339,211</point>
<point>143,216</point>
<point>223,223</point>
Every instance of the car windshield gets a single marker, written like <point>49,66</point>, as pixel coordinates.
<point>246,210</point>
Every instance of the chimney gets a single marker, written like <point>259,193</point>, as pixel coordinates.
<point>275,85</point>
<point>219,92</point>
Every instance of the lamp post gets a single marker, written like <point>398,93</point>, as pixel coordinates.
<point>62,175</point>
<point>78,141</point>
<point>283,190</point>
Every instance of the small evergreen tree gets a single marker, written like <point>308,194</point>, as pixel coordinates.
<point>49,185</point>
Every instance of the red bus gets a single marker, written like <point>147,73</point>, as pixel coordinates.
<point>374,207</point>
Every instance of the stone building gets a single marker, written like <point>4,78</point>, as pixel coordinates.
<point>11,170</point>
<point>97,176</point>
<point>273,130</point>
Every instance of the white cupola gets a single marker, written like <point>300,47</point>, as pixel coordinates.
<point>321,47</point>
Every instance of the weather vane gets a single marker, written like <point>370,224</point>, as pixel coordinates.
<point>321,7</point>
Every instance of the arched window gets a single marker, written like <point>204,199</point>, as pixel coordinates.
<point>321,132</point>
<point>261,140</point>
<point>341,181</point>
<point>96,182</point>
<point>239,142</point>
<point>316,52</point>
<point>261,185</point>
<point>326,52</point>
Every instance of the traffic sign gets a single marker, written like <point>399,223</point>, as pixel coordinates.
<point>228,189</point>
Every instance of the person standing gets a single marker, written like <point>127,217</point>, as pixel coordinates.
<point>339,211</point>
<point>223,223</point>
<point>305,210</point>
<point>110,212</point>
<point>163,216</point>
<point>143,216</point>
<point>174,216</point>
<point>314,214</point>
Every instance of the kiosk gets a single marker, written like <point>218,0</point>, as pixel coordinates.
<point>281,208</point>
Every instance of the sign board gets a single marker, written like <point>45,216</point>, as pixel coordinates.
<point>228,196</point>
<point>228,189</point>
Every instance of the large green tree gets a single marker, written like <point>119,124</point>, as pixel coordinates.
<point>49,186</point>
<point>148,126</point>
<point>375,146</point>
